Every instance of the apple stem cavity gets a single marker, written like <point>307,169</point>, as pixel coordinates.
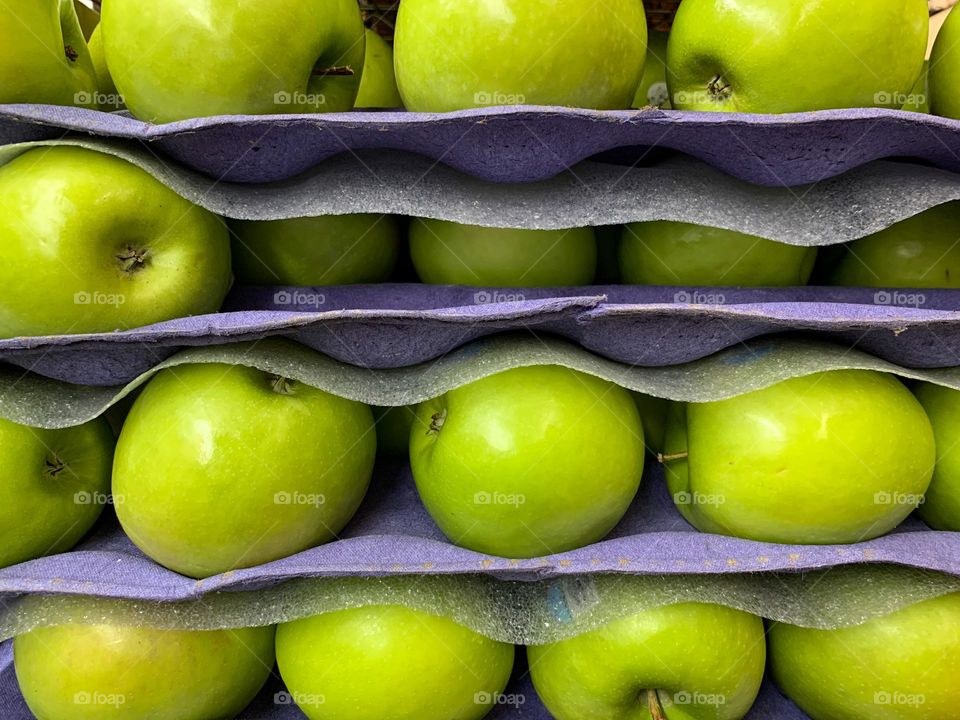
<point>131,260</point>
<point>342,70</point>
<point>281,385</point>
<point>71,53</point>
<point>654,706</point>
<point>664,458</point>
<point>54,466</point>
<point>436,422</point>
<point>719,89</point>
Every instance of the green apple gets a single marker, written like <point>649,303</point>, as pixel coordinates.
<point>653,416</point>
<point>53,485</point>
<point>653,91</point>
<point>92,243</point>
<point>919,98</point>
<point>378,84</point>
<point>177,59</point>
<point>528,462</point>
<point>389,662</point>
<point>944,71</point>
<point>941,506</point>
<point>901,666</point>
<point>456,55</point>
<point>93,672</point>
<point>44,58</point>
<point>393,429</point>
<point>448,253</point>
<point>89,19</point>
<point>676,253</point>
<point>834,457</point>
<point>794,55</point>
<point>108,98</point>
<point>224,466</point>
<point>656,663</point>
<point>920,252</point>
<point>329,250</point>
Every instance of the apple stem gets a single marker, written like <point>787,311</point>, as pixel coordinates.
<point>663,458</point>
<point>335,70</point>
<point>653,705</point>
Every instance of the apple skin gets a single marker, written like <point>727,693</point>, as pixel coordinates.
<point>74,672</point>
<point>920,252</point>
<point>676,253</point>
<point>312,251</point>
<point>222,57</point>
<point>653,416</point>
<point>528,462</point>
<point>105,85</point>
<point>941,507</point>
<point>944,69</point>
<point>294,461</point>
<point>758,56</point>
<point>448,253</point>
<point>919,99</point>
<point>67,214</point>
<point>39,38</point>
<point>452,55</point>
<point>834,457</point>
<point>53,484</point>
<point>393,429</point>
<point>902,666</point>
<point>604,674</point>
<point>389,662</point>
<point>87,17</point>
<point>378,85</point>
<point>653,90</point>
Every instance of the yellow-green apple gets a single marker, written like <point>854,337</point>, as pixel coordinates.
<point>448,253</point>
<point>451,55</point>
<point>108,98</point>
<point>834,457</point>
<point>89,19</point>
<point>224,466</point>
<point>92,243</point>
<point>653,416</point>
<point>393,429</point>
<point>943,76</point>
<point>387,662</point>
<point>941,506</point>
<point>528,462</point>
<point>378,84</point>
<point>653,90</point>
<point>177,59</point>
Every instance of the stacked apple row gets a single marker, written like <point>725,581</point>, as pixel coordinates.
<point>78,260</point>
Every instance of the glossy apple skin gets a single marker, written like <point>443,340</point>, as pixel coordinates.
<point>675,253</point>
<point>920,252</point>
<point>456,54</point>
<point>34,66</point>
<point>941,507</point>
<point>105,85</point>
<point>653,416</point>
<point>390,663</point>
<point>604,674</point>
<point>223,57</point>
<point>53,485</point>
<point>66,216</point>
<point>378,85</point>
<point>653,91</point>
<point>759,56</point>
<point>528,462</point>
<point>875,670</point>
<point>448,253</point>
<point>330,250</point>
<point>944,72</point>
<point>71,672</point>
<point>294,461</point>
<point>834,457</point>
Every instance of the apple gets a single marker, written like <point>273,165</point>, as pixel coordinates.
<point>387,662</point>
<point>941,506</point>
<point>107,96</point>
<point>378,84</point>
<point>177,59</point>
<point>393,429</point>
<point>448,253</point>
<point>901,666</point>
<point>45,57</point>
<point>223,466</point>
<point>656,663</point>
<point>653,417</point>
<point>919,98</point>
<point>676,253</point>
<point>90,672</point>
<point>944,71</point>
<point>528,462</point>
<point>833,457</point>
<point>53,485</point>
<point>329,250</point>
<point>451,56</point>
<point>920,252</point>
<point>92,243</point>
<point>89,19</point>
<point>760,57</point>
<point>652,91</point>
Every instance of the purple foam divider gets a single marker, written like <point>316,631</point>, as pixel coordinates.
<point>520,144</point>
<point>387,326</point>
